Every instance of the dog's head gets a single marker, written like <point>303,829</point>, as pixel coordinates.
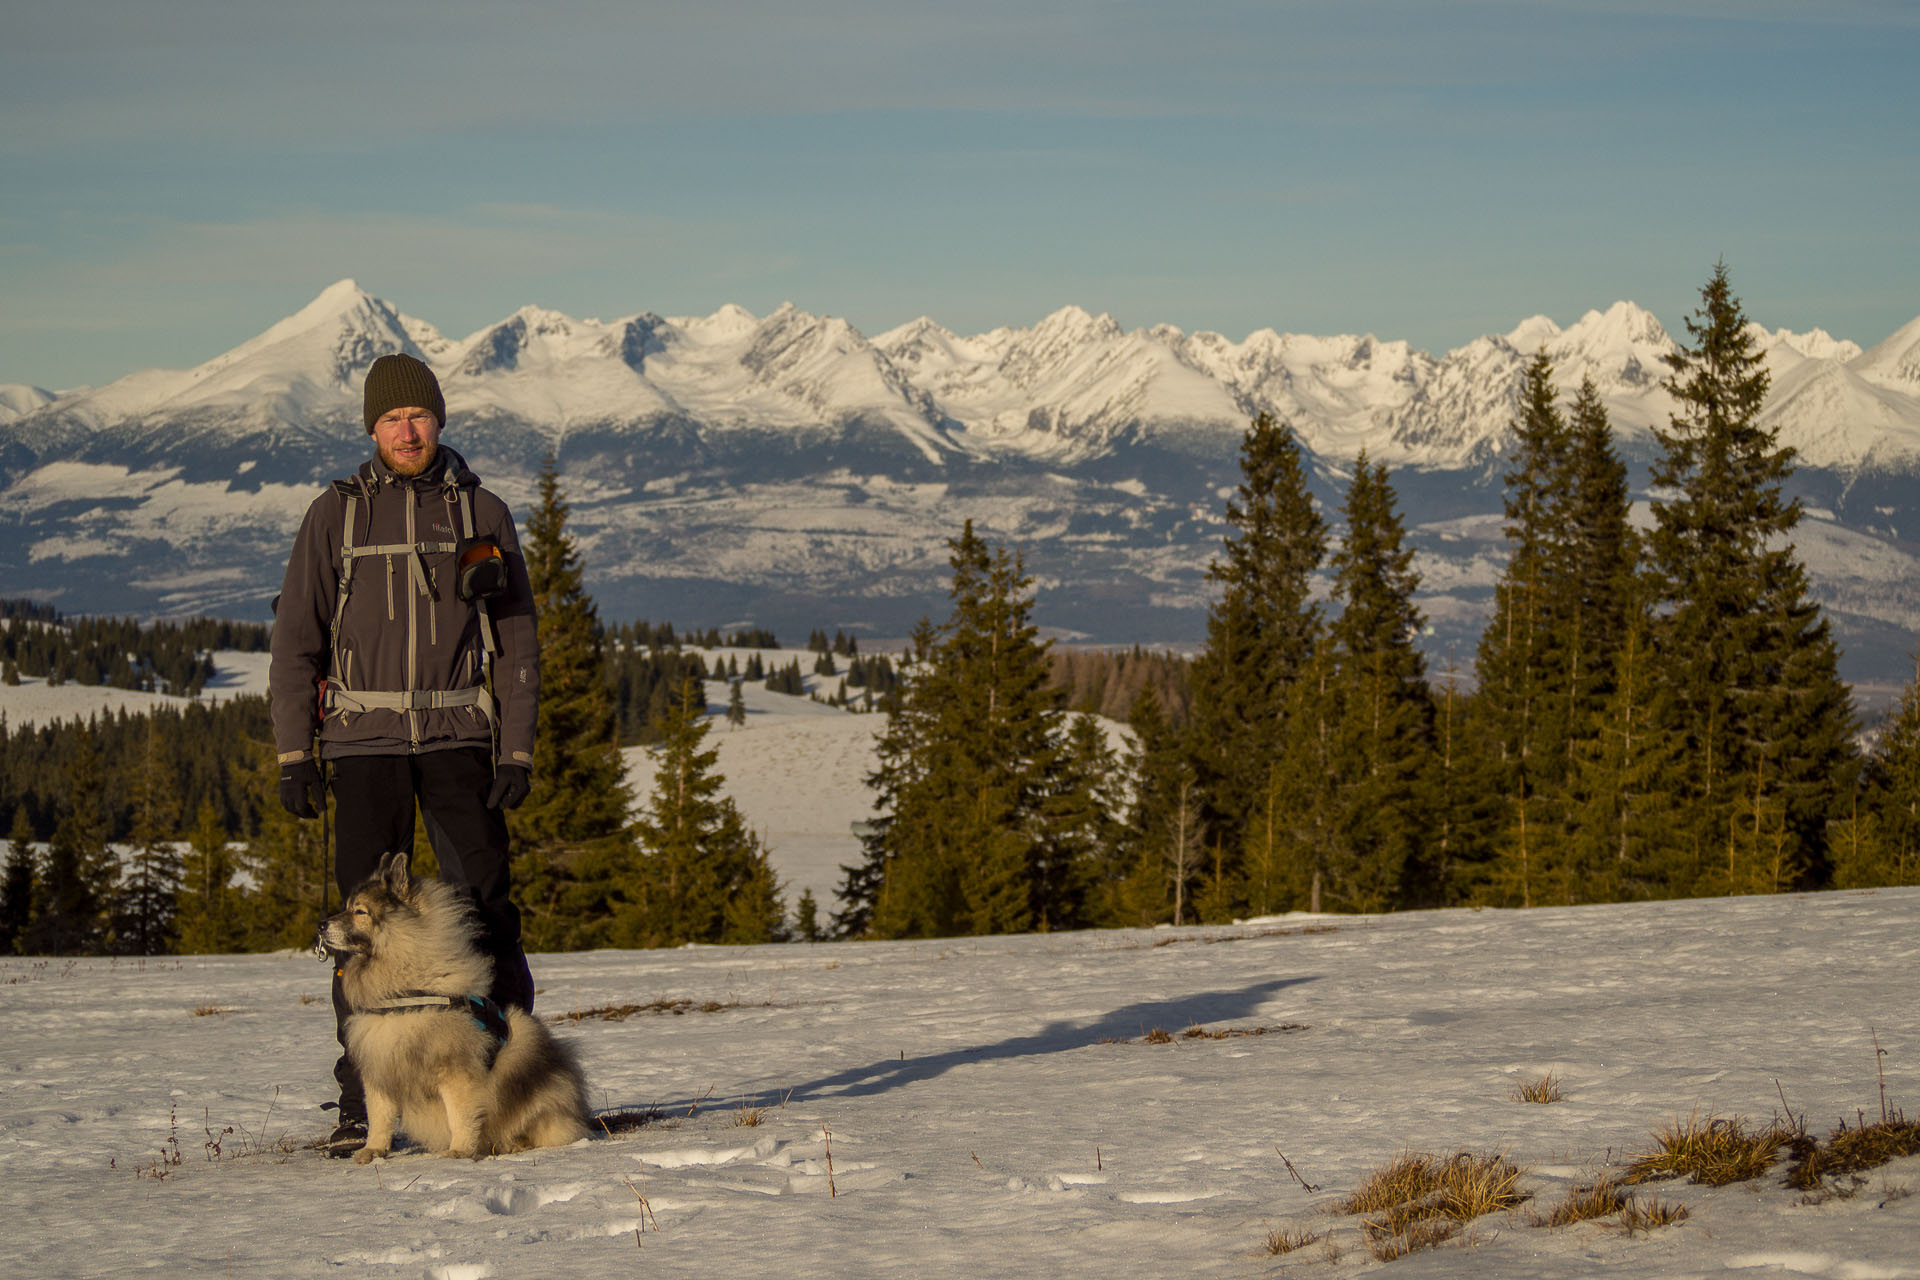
<point>385,894</point>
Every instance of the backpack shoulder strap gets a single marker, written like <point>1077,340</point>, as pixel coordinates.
<point>468,532</point>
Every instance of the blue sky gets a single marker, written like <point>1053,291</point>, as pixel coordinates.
<point>179,175</point>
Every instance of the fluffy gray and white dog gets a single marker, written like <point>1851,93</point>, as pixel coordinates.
<point>458,1075</point>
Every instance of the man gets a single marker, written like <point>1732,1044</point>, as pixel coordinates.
<point>405,585</point>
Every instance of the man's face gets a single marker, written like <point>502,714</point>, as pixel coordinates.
<point>407,439</point>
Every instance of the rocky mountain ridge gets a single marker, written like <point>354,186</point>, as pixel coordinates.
<point>790,470</point>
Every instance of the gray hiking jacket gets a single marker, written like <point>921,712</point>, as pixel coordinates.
<point>404,634</point>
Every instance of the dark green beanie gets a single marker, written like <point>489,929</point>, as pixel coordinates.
<point>401,382</point>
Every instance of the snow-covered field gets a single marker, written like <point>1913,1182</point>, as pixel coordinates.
<point>797,769</point>
<point>34,702</point>
<point>797,772</point>
<point>991,1107</point>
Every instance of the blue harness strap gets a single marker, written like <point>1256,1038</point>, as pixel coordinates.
<point>486,1015</point>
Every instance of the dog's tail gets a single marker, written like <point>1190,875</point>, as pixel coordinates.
<point>539,1092</point>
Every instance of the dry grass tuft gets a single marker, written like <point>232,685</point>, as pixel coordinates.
<point>1422,1200</point>
<point>1473,1186</point>
<point>747,1116</point>
<point>1545,1089</point>
<point>1583,1204</point>
<point>1157,1036</point>
<point>1386,1244</point>
<point>1198,1032</point>
<point>1411,1177</point>
<point>628,1119</point>
<point>1279,1242</point>
<point>621,1012</point>
<point>1714,1151</point>
<point>1640,1217</point>
<point>1461,1186</point>
<point>1851,1150</point>
<point>210,1011</point>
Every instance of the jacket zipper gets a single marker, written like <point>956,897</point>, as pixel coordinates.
<point>413,621</point>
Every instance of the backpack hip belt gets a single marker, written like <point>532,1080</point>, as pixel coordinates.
<point>338,697</point>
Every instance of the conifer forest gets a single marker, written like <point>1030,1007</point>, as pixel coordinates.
<point>1651,713</point>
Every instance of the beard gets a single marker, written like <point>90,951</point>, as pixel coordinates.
<point>417,465</point>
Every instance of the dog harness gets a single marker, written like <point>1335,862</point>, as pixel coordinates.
<point>487,1015</point>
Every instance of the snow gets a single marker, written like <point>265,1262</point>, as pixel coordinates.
<point>990,1106</point>
<point>797,772</point>
<point>34,702</point>
<point>1066,388</point>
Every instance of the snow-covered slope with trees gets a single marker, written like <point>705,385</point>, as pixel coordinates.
<point>787,469</point>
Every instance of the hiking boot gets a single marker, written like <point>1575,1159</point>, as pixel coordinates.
<point>347,1137</point>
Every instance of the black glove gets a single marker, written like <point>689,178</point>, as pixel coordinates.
<point>511,782</point>
<point>300,789</point>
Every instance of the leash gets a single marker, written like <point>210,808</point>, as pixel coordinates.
<point>326,870</point>
<point>326,845</point>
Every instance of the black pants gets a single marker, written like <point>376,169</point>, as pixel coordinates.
<point>373,815</point>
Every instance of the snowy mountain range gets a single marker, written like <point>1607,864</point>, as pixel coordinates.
<point>791,471</point>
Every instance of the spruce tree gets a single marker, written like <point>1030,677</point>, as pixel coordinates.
<point>574,856</point>
<point>1260,634</point>
<point>1382,709</point>
<point>1140,888</point>
<point>904,755</point>
<point>210,907</point>
<point>968,765</point>
<point>1467,804</point>
<point>1878,844</point>
<point>290,866</point>
<point>703,876</point>
<point>148,896</point>
<point>79,874</point>
<point>806,918</point>
<point>1750,659</point>
<point>1601,598</point>
<point>1309,834</point>
<point>1630,840</point>
<point>1081,823</point>
<point>16,888</point>
<point>1522,652</point>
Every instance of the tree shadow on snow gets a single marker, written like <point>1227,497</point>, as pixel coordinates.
<point>1123,1023</point>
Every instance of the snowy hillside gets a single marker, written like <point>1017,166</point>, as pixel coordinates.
<point>788,471</point>
<point>797,768</point>
<point>970,1107</point>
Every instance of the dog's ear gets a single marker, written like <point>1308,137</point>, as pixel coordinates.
<point>393,873</point>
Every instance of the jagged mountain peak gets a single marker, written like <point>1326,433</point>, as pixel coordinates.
<point>1075,323</point>
<point>1531,334</point>
<point>1072,384</point>
<point>1814,344</point>
<point>1894,361</point>
<point>1624,324</point>
<point>530,332</point>
<point>730,321</point>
